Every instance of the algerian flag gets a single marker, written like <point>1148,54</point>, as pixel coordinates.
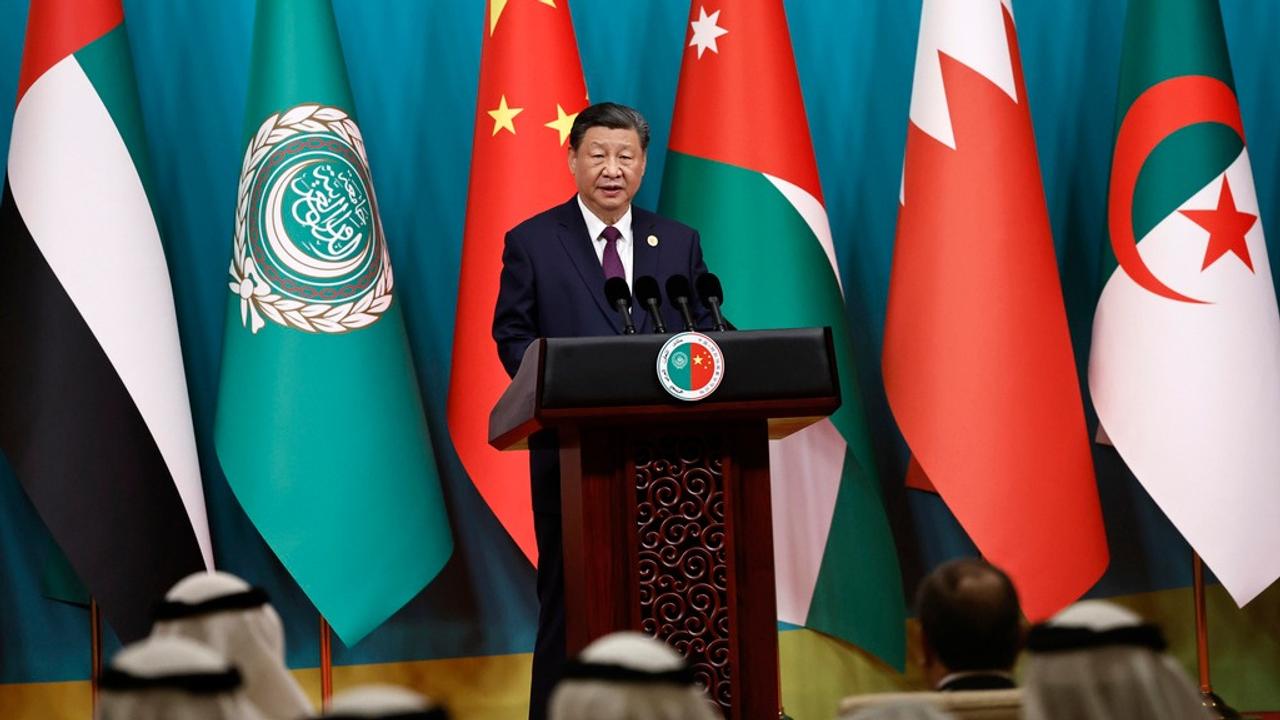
<point>1185,367</point>
<point>320,427</point>
<point>742,171</point>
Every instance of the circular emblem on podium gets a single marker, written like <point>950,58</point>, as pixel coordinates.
<point>309,248</point>
<point>690,366</point>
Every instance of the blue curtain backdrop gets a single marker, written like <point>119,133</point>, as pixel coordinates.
<point>413,67</point>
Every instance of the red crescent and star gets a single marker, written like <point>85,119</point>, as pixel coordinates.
<point>1160,111</point>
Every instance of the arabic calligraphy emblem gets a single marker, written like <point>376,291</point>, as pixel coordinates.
<point>309,248</point>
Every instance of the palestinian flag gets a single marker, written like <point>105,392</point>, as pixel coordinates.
<point>978,366</point>
<point>94,415</point>
<point>320,427</point>
<point>741,169</point>
<point>1185,365</point>
<point>524,109</point>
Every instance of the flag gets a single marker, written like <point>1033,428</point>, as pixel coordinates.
<point>1185,363</point>
<point>531,89</point>
<point>741,169</point>
<point>320,427</point>
<point>94,414</point>
<point>978,366</point>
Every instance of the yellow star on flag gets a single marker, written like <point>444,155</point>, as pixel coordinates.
<point>497,6</point>
<point>563,123</point>
<point>697,359</point>
<point>504,117</point>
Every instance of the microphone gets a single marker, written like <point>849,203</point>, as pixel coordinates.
<point>650,297</point>
<point>712,296</point>
<point>678,292</point>
<point>619,295</point>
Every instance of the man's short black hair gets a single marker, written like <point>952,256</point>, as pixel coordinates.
<point>612,116</point>
<point>970,616</point>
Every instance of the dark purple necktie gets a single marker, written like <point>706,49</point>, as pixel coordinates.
<point>611,261</point>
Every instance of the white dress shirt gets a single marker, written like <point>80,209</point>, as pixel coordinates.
<point>595,228</point>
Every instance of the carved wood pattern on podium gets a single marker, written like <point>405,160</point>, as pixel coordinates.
<point>682,565</point>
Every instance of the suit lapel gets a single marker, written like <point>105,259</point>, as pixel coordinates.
<point>577,245</point>
<point>644,260</point>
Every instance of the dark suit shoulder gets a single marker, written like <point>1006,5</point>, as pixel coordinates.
<point>640,216</point>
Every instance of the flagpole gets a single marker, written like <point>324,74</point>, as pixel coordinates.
<point>1208,697</point>
<point>95,653</point>
<point>326,666</point>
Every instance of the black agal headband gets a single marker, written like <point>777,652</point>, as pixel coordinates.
<point>205,683</point>
<point>1050,638</point>
<point>577,670</point>
<point>175,609</point>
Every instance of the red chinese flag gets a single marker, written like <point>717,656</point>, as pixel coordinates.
<point>531,89</point>
<point>978,366</point>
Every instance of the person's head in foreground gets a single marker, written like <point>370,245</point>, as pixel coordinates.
<point>383,702</point>
<point>223,612</point>
<point>1098,661</point>
<point>171,678</point>
<point>629,676</point>
<point>970,625</point>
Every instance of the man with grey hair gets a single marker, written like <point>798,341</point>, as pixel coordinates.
<point>554,268</point>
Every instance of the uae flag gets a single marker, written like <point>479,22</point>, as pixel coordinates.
<point>1185,365</point>
<point>741,170</point>
<point>94,415</point>
<point>978,365</point>
<point>531,89</point>
<point>320,427</point>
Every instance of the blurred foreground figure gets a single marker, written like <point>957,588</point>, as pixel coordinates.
<point>385,702</point>
<point>1099,661</point>
<point>902,711</point>
<point>970,625</point>
<point>629,676</point>
<point>172,679</point>
<point>223,612</point>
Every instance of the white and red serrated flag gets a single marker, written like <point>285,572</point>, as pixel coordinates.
<point>978,365</point>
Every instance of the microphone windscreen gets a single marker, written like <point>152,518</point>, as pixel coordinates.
<point>647,289</point>
<point>709,288</point>
<point>615,290</point>
<point>678,287</point>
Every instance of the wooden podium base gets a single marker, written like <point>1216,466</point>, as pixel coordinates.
<point>689,505</point>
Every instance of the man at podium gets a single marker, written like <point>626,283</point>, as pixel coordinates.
<point>554,269</point>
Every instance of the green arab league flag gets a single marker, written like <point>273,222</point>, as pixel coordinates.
<point>320,427</point>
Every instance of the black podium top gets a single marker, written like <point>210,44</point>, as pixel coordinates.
<point>786,376</point>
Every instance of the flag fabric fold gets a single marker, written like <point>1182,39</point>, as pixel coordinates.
<point>1185,363</point>
<point>978,366</point>
<point>320,427</point>
<point>94,412</point>
<point>524,110</point>
<point>741,169</point>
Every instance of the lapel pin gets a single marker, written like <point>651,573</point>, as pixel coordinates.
<point>653,241</point>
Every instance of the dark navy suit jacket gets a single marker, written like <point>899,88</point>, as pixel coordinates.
<point>552,285</point>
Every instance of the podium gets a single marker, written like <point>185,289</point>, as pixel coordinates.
<point>666,503</point>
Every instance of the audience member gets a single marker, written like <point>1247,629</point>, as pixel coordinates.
<point>383,702</point>
<point>171,678</point>
<point>971,626</point>
<point>225,613</point>
<point>629,676</point>
<point>902,711</point>
<point>1098,661</point>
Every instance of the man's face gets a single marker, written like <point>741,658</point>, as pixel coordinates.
<point>608,167</point>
